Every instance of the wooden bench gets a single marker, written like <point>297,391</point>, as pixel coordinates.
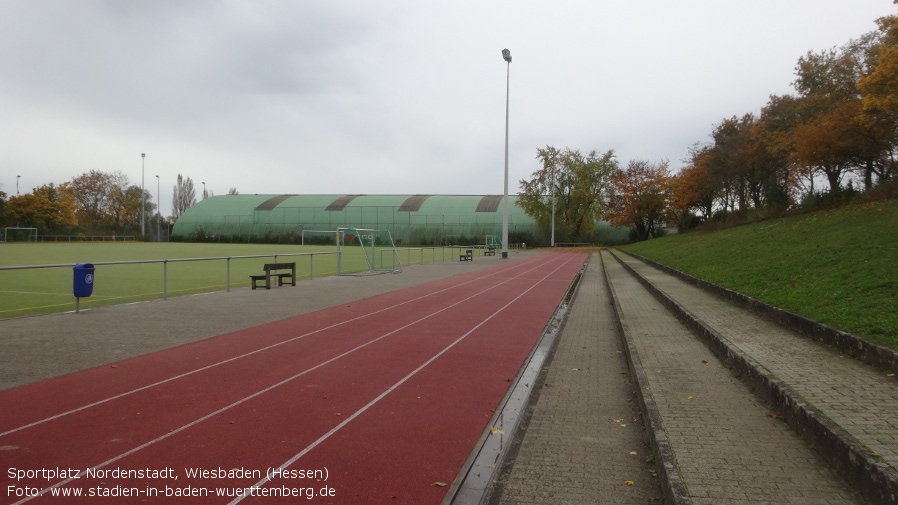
<point>490,251</point>
<point>275,270</point>
<point>467,256</point>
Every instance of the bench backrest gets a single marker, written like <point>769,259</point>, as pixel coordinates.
<point>278,266</point>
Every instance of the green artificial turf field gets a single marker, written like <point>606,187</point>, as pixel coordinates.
<point>26,292</point>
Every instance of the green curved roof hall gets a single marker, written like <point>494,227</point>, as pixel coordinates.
<point>412,218</point>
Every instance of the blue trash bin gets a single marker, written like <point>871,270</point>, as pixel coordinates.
<point>84,280</point>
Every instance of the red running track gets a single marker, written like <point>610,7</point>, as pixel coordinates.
<point>381,400</point>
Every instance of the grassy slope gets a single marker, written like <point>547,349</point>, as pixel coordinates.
<point>839,267</point>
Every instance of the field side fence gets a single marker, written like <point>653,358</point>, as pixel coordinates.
<point>421,253</point>
<point>165,262</point>
<point>325,261</point>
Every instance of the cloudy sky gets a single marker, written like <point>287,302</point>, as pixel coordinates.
<point>388,96</point>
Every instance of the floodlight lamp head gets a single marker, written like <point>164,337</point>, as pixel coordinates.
<point>506,55</point>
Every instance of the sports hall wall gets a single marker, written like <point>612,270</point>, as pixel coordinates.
<point>413,219</point>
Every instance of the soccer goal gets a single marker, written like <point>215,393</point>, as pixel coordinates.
<point>320,237</point>
<point>16,234</point>
<point>374,247</point>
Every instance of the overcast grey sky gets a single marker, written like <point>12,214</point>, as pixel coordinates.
<point>391,96</point>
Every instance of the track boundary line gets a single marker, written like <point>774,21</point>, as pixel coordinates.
<point>235,358</point>
<point>206,417</point>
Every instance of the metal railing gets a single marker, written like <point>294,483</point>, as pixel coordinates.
<point>405,255</point>
<point>165,263</point>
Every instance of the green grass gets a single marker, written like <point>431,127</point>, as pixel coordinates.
<point>838,267</point>
<point>47,290</point>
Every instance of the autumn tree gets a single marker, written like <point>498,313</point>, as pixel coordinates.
<point>579,184</point>
<point>731,162</point>
<point>117,190</point>
<point>47,207</point>
<point>640,198</point>
<point>833,138</point>
<point>4,217</point>
<point>138,202</point>
<point>772,135</point>
<point>24,210</point>
<point>57,204</point>
<point>183,197</point>
<point>879,96</point>
<point>695,188</point>
<point>92,194</point>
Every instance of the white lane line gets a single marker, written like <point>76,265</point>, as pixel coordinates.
<point>400,382</point>
<point>263,391</point>
<point>219,363</point>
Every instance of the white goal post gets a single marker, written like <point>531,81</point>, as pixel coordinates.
<point>30,234</point>
<point>376,246</point>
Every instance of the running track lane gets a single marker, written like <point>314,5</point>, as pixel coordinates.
<point>388,395</point>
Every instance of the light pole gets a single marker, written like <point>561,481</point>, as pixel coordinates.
<point>506,55</point>
<point>204,190</point>
<point>17,184</point>
<point>159,212</point>
<point>143,201</point>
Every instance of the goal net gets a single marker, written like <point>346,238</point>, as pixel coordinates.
<point>320,237</point>
<point>364,251</point>
<point>16,234</point>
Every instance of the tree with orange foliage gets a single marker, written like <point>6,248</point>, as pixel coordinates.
<point>879,102</point>
<point>91,190</point>
<point>695,188</point>
<point>825,143</point>
<point>833,137</point>
<point>47,207</point>
<point>640,198</point>
<point>772,135</point>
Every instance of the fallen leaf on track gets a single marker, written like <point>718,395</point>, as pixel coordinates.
<point>629,482</point>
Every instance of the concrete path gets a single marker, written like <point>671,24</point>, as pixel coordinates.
<point>847,409</point>
<point>859,398</point>
<point>585,441</point>
<point>719,444</point>
<point>728,447</point>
